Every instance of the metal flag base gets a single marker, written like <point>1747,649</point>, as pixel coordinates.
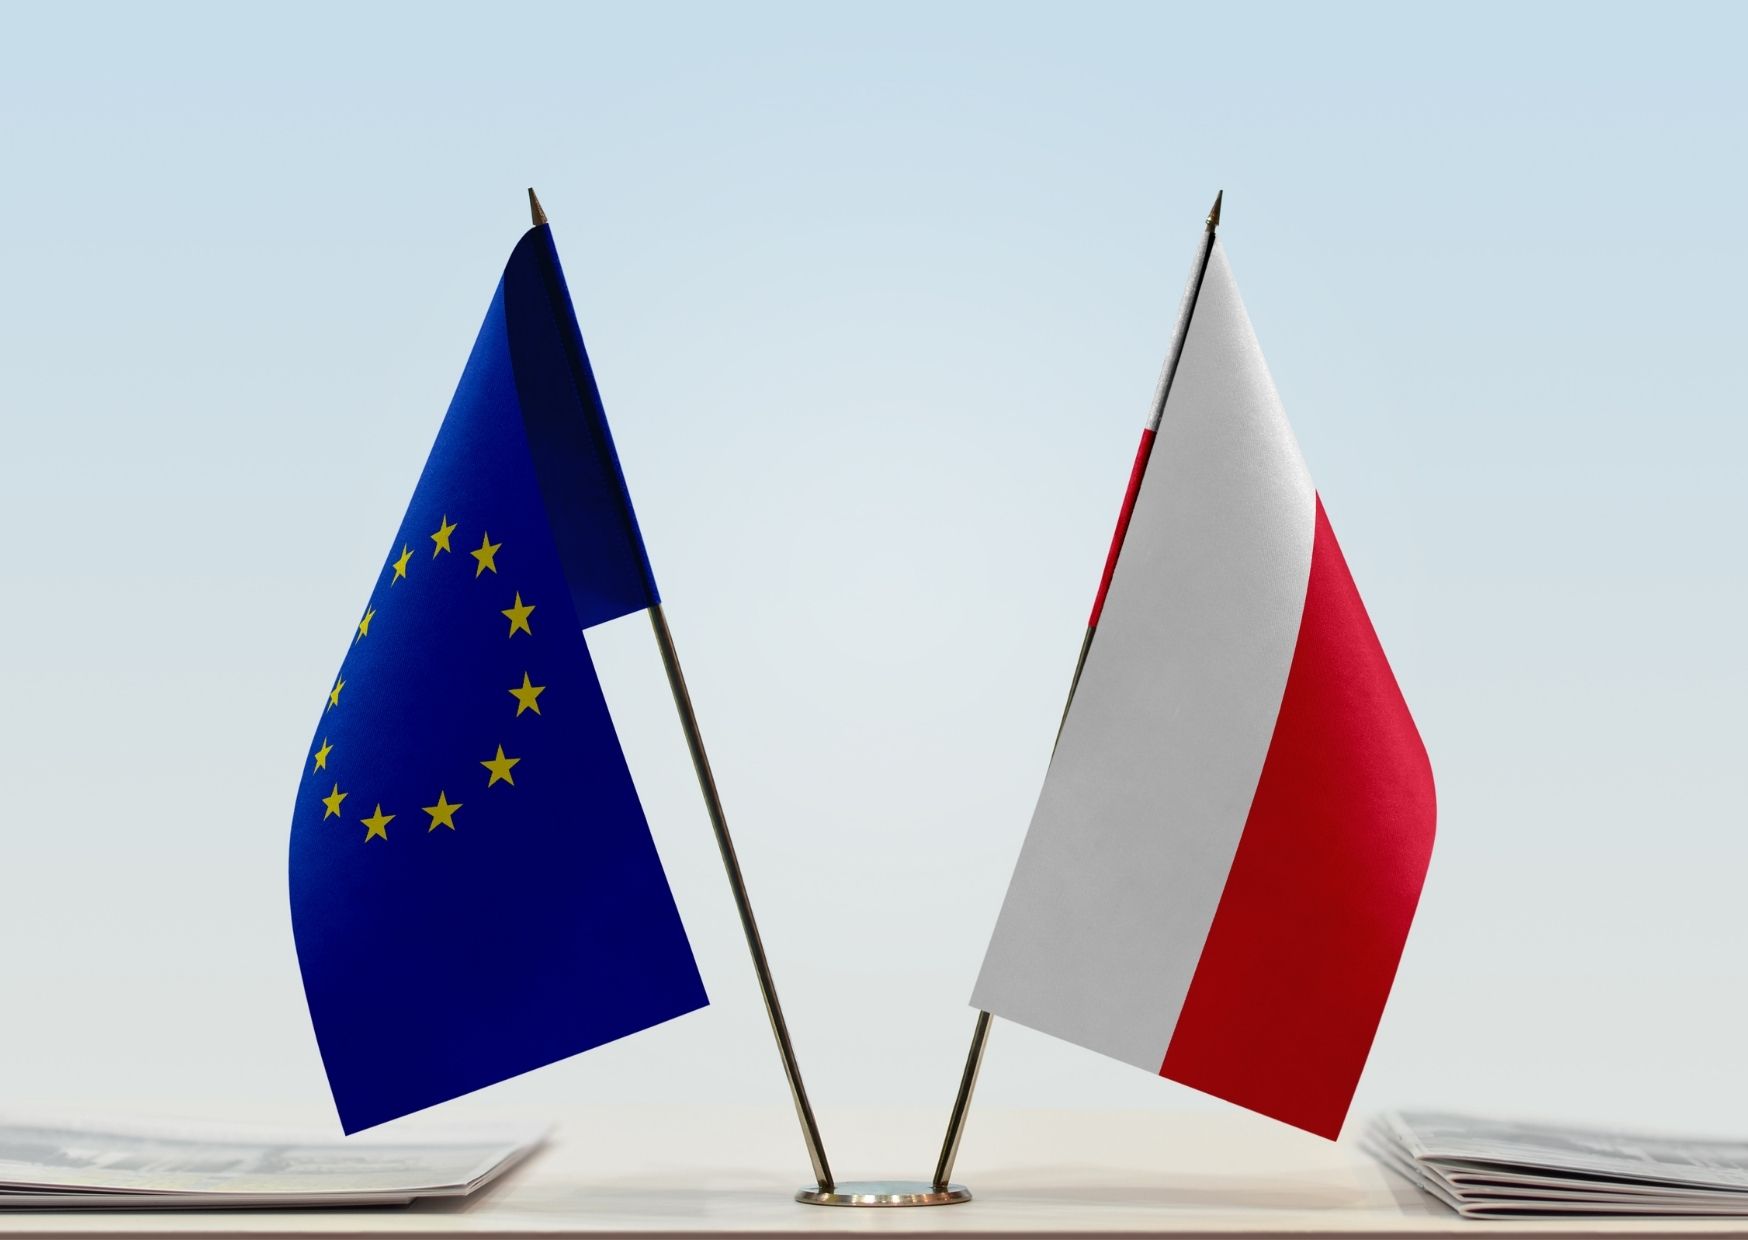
<point>884,1193</point>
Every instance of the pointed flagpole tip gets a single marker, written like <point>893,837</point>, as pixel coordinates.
<point>1213,211</point>
<point>535,209</point>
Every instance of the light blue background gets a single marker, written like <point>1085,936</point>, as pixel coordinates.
<point>877,297</point>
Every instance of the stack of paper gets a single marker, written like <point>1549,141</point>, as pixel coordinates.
<point>62,1166</point>
<point>1485,1168</point>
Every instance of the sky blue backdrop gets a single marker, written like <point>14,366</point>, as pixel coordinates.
<point>877,297</point>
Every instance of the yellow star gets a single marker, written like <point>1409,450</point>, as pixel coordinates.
<point>526,696</point>
<point>364,625</point>
<point>487,549</point>
<point>441,537</point>
<point>500,768</point>
<point>334,693</point>
<point>442,813</point>
<point>377,824</point>
<point>332,801</point>
<point>519,616</point>
<point>400,565</point>
<point>326,749</point>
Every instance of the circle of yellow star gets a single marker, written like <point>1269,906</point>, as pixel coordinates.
<point>377,824</point>
<point>400,565</point>
<point>519,616</point>
<point>332,801</point>
<point>441,537</point>
<point>334,693</point>
<point>442,813</point>
<point>487,549</point>
<point>364,625</point>
<point>326,749</point>
<point>500,768</point>
<point>527,697</point>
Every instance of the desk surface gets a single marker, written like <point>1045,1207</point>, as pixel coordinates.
<point>661,1171</point>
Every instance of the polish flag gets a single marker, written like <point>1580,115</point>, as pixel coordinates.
<point>1224,861</point>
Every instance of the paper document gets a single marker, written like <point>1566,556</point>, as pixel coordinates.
<point>182,1166</point>
<point>1486,1168</point>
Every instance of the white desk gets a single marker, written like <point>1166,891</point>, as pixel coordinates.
<point>670,1172</point>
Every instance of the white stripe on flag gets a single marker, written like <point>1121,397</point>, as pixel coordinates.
<point>1113,895</point>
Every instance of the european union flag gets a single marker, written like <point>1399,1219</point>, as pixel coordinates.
<point>474,889</point>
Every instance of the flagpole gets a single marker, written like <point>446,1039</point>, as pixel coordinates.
<point>730,862</point>
<point>725,844</point>
<point>1186,309</point>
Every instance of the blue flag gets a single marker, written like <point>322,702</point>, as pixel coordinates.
<point>474,889</point>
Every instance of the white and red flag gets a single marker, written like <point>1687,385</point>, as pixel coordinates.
<point>1224,861</point>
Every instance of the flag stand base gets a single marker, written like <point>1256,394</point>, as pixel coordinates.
<point>884,1193</point>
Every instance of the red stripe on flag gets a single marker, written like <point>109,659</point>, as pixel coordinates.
<point>1135,472</point>
<point>1292,980</point>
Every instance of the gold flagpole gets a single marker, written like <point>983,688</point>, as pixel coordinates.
<point>980,1033</point>
<point>731,864</point>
